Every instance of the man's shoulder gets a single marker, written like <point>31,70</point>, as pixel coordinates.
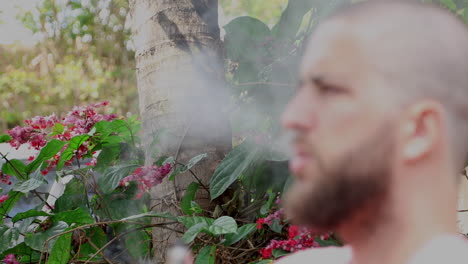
<point>331,255</point>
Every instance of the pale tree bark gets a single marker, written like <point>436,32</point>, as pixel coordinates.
<point>182,94</point>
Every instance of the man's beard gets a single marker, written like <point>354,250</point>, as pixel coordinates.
<point>358,179</point>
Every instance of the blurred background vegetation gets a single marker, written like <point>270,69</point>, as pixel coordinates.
<point>82,53</point>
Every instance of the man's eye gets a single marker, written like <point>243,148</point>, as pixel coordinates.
<point>329,89</point>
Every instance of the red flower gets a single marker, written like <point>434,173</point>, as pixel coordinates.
<point>293,231</point>
<point>3,198</point>
<point>260,223</point>
<point>266,253</point>
<point>10,259</point>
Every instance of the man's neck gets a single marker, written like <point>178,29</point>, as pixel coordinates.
<point>398,232</point>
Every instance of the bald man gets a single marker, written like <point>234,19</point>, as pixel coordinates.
<point>380,120</point>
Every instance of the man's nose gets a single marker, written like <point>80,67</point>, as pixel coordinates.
<point>299,114</point>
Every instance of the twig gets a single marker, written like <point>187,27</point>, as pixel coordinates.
<point>96,248</point>
<point>196,177</point>
<point>19,173</point>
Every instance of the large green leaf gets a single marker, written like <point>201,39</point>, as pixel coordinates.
<point>192,232</point>
<point>186,201</point>
<point>5,138</point>
<point>232,167</point>
<point>137,243</point>
<point>207,255</point>
<point>68,153</point>
<point>150,214</point>
<point>19,249</point>
<point>60,253</point>
<point>246,38</point>
<point>15,168</point>
<point>108,154</point>
<point>223,225</point>
<point>291,18</point>
<point>241,233</point>
<point>184,168</point>
<point>47,152</point>
<point>27,214</point>
<point>190,221</point>
<point>78,216</point>
<point>8,237</point>
<point>112,176</point>
<point>7,205</point>
<point>36,241</point>
<point>36,180</point>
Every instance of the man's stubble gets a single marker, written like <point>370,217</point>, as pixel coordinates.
<point>360,178</point>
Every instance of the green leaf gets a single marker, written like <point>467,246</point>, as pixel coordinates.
<point>112,176</point>
<point>27,214</point>
<point>19,249</point>
<point>291,18</point>
<point>150,214</point>
<point>57,129</point>
<point>232,167</point>
<point>68,153</point>
<point>47,152</point>
<point>449,4</point>
<point>184,168</point>
<point>223,225</point>
<point>79,216</point>
<point>245,37</point>
<point>186,201</point>
<point>137,243</point>
<point>275,226</point>
<point>98,238</point>
<point>15,168</point>
<point>193,161</point>
<point>190,221</point>
<point>7,205</point>
<point>108,154</point>
<point>60,253</point>
<point>36,180</point>
<point>241,233</point>
<point>279,253</point>
<point>8,237</point>
<point>207,255</point>
<point>327,243</point>
<point>36,241</point>
<point>192,232</point>
<point>5,138</point>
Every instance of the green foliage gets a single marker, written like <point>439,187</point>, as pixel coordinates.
<point>32,183</point>
<point>41,241</point>
<point>60,253</point>
<point>237,162</point>
<point>241,233</point>
<point>207,255</point>
<point>186,201</point>
<point>112,176</point>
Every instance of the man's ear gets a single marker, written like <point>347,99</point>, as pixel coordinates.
<point>421,130</point>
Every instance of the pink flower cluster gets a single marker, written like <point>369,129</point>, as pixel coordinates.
<point>4,178</point>
<point>79,121</point>
<point>3,198</point>
<point>298,239</point>
<point>277,215</point>
<point>10,259</point>
<point>82,118</point>
<point>147,177</point>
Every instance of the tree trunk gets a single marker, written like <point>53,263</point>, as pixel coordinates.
<point>182,95</point>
